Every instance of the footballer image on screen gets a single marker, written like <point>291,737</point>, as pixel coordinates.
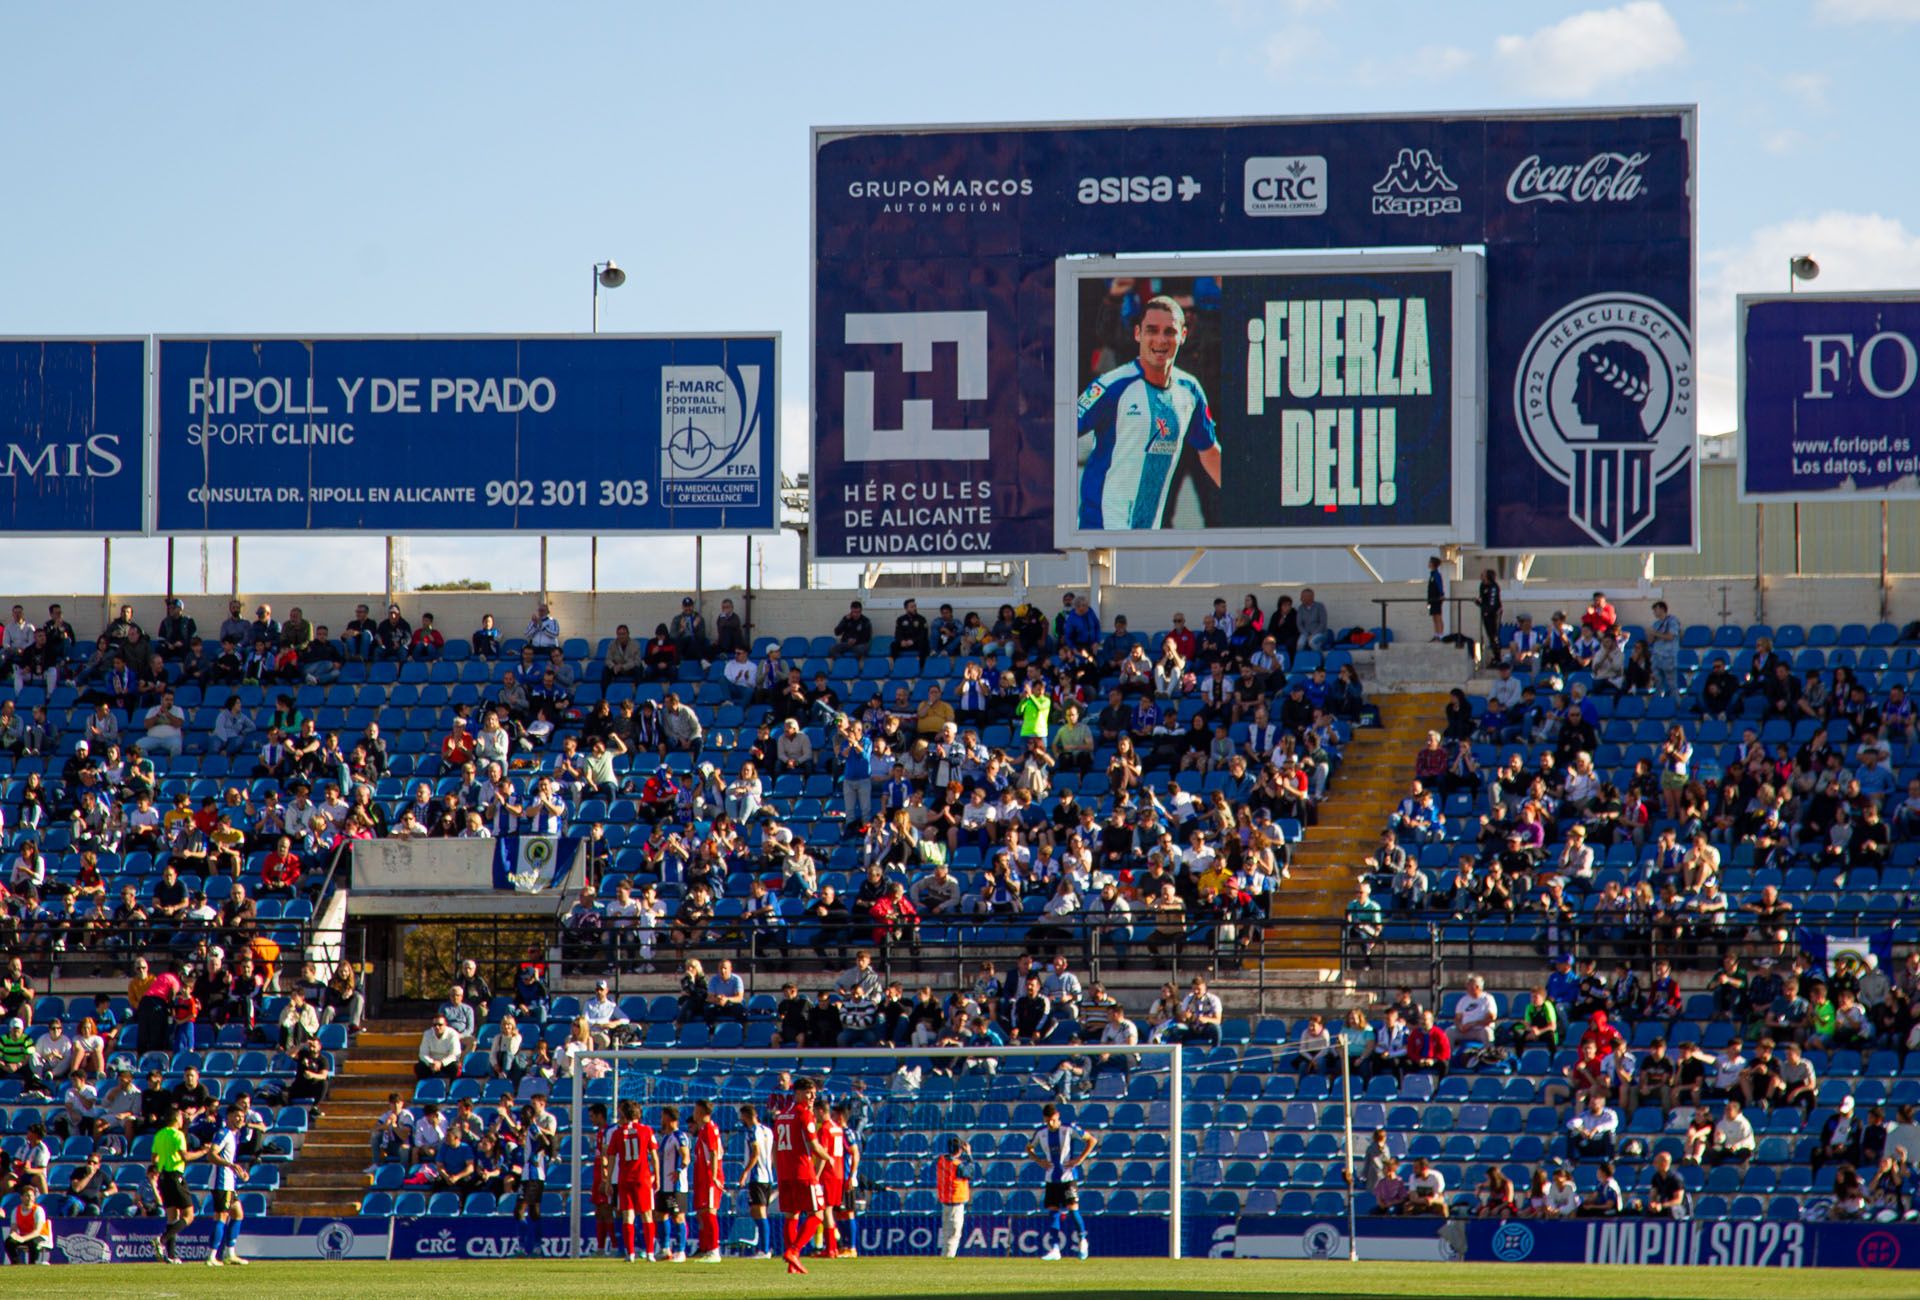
<point>1145,427</point>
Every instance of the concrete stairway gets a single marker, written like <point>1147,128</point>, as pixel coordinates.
<point>1372,779</point>
<point>329,1175</point>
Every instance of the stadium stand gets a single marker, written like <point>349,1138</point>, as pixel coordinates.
<point>787,801</point>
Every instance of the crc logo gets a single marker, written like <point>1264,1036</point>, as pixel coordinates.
<point>1286,187</point>
<point>1603,178</point>
<point>1416,185</point>
<point>1136,189</point>
<point>915,333</point>
<point>1604,397</point>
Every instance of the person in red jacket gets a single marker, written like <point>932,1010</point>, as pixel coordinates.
<point>1428,1048</point>
<point>280,873</point>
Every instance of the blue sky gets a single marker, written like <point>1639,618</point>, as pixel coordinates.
<point>433,167</point>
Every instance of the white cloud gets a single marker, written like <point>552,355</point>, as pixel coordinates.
<point>1869,11</point>
<point>1810,88</point>
<point>1428,63</point>
<point>1856,251</point>
<point>1292,48</point>
<point>1583,53</point>
<point>1785,141</point>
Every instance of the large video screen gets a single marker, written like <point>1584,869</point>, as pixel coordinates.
<point>1263,401</point>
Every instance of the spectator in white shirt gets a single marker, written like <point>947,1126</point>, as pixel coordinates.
<point>1426,1189</point>
<point>1563,1198</point>
<point>1732,1137</point>
<point>1593,1129</point>
<point>603,1014</point>
<point>743,676</point>
<point>166,726</point>
<point>1200,1016</point>
<point>1475,1014</point>
<point>440,1053</point>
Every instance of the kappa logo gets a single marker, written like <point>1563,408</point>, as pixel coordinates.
<point>1605,399</point>
<point>1415,185</point>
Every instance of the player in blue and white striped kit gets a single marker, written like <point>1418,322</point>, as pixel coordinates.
<point>670,1201</point>
<point>1052,1146</point>
<point>224,1154</point>
<point>1140,416</point>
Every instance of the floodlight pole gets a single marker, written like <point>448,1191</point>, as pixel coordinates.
<point>1346,1110</point>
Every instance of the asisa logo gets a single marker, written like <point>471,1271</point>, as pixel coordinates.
<point>1136,189</point>
<point>1416,185</point>
<point>1605,398</point>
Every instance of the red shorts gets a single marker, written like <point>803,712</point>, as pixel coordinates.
<point>603,1195</point>
<point>636,1198</point>
<point>706,1198</point>
<point>833,1191</point>
<point>800,1198</point>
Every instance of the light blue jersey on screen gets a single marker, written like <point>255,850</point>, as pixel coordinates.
<point>1138,431</point>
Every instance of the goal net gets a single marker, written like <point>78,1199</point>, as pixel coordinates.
<point>1122,1123</point>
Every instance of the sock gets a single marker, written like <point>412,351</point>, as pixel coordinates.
<point>680,1237</point>
<point>766,1234</point>
<point>602,1229</point>
<point>219,1235</point>
<point>649,1236</point>
<point>1058,1224</point>
<point>852,1234</point>
<point>793,1235</point>
<point>626,1232</point>
<point>1079,1224</point>
<point>833,1237</point>
<point>530,1236</point>
<point>809,1227</point>
<point>171,1235</point>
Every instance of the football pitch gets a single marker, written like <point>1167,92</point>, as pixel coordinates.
<point>742,1280</point>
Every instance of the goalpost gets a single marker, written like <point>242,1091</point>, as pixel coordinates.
<point>820,1064</point>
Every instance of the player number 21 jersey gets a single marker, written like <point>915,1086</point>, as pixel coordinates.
<point>1138,431</point>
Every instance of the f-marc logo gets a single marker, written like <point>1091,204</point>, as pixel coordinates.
<point>916,332</point>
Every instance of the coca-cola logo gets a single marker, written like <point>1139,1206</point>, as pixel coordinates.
<point>1603,178</point>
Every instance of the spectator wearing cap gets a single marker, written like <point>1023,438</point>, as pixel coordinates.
<point>1840,1137</point>
<point>854,632</point>
<point>689,632</point>
<point>603,1015</point>
<point>176,631</point>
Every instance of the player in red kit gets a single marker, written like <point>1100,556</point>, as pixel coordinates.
<point>709,1181</point>
<point>833,1189</point>
<point>605,1213</point>
<point>633,1163</point>
<point>797,1155</point>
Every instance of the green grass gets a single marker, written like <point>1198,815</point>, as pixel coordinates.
<point>943,1279</point>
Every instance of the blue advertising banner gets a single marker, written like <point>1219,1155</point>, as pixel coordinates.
<point>73,434</point>
<point>1829,396</point>
<point>131,1241</point>
<point>935,286</point>
<point>594,434</point>
<point>1737,1243</point>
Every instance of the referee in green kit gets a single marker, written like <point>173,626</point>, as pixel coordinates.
<point>170,1156</point>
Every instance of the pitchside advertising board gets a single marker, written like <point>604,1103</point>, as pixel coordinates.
<point>937,368</point>
<point>556,434</point>
<point>1745,1243</point>
<point>1268,400</point>
<point>73,420</point>
<point>1829,396</point>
